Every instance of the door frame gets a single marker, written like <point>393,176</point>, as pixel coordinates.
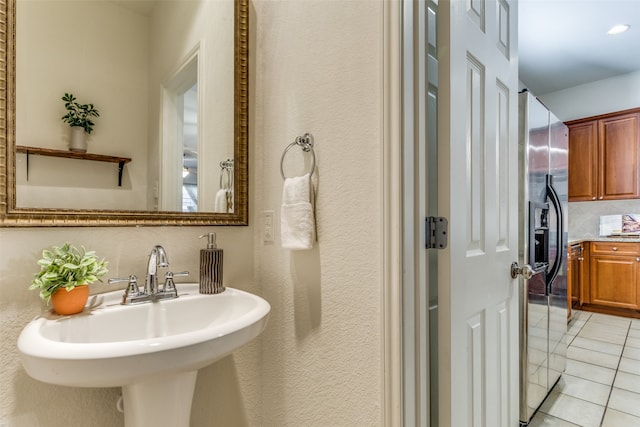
<point>391,249</point>
<point>405,399</point>
<point>391,209</point>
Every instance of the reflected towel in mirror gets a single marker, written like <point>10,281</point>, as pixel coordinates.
<point>220,203</point>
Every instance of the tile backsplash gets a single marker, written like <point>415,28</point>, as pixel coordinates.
<point>584,217</point>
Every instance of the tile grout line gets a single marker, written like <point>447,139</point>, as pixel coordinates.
<point>581,328</point>
<point>614,375</point>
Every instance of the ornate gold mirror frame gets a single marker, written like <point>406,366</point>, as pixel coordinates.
<point>12,216</point>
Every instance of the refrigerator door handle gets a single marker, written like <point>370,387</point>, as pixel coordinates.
<point>555,201</point>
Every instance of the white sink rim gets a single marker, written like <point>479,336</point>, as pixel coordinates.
<point>181,352</point>
<point>111,301</point>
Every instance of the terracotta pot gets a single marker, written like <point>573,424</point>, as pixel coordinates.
<point>70,302</point>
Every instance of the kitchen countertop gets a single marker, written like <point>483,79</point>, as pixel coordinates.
<point>573,241</point>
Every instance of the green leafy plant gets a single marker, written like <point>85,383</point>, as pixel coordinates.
<point>79,114</point>
<point>66,267</point>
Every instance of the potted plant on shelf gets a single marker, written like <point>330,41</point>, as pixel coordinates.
<point>79,118</point>
<point>64,276</point>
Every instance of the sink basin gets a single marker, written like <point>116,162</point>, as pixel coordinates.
<point>143,348</point>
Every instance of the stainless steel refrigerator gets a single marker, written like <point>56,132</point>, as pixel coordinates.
<point>543,154</point>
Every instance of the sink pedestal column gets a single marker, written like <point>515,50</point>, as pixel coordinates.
<point>162,401</point>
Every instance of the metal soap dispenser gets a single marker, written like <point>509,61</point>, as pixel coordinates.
<point>211,267</point>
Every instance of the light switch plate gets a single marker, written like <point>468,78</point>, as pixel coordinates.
<point>268,226</point>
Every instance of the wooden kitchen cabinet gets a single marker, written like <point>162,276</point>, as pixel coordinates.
<point>583,161</point>
<point>604,157</point>
<point>614,277</point>
<point>575,277</point>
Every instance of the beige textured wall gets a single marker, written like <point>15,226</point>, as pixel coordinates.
<point>315,67</point>
<point>319,71</point>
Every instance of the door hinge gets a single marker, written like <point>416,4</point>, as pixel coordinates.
<point>436,232</point>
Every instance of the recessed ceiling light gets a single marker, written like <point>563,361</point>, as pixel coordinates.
<point>617,29</point>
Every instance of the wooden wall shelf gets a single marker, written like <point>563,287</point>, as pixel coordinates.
<point>121,161</point>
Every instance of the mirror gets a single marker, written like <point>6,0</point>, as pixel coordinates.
<point>170,146</point>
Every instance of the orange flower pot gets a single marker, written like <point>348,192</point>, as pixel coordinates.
<point>70,302</point>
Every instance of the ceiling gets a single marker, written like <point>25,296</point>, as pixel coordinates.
<point>564,43</point>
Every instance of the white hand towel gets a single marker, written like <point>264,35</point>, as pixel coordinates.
<point>220,202</point>
<point>297,223</point>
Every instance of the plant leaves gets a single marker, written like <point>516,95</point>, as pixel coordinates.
<point>66,266</point>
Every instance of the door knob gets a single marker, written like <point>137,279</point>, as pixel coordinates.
<point>525,271</point>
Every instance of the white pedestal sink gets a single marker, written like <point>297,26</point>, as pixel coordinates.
<point>152,350</point>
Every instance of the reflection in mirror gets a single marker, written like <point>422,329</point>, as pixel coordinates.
<point>190,150</point>
<point>179,135</point>
<point>170,81</point>
<point>224,196</point>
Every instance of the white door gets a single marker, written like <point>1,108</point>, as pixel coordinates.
<point>478,193</point>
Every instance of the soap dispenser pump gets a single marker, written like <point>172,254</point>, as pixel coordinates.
<point>211,267</point>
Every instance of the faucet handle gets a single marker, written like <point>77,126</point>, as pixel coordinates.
<point>181,273</point>
<point>169,284</point>
<point>129,279</point>
<point>132,288</point>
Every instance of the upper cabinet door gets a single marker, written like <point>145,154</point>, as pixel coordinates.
<point>583,161</point>
<point>619,154</point>
<point>604,157</point>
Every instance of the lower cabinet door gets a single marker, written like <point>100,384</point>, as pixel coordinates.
<point>614,281</point>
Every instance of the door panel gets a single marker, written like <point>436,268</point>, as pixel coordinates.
<point>502,170</point>
<point>613,281</point>
<point>619,157</point>
<point>475,167</point>
<point>478,192</point>
<point>583,154</point>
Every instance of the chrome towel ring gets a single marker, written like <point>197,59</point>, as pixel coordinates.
<point>306,143</point>
<point>226,170</point>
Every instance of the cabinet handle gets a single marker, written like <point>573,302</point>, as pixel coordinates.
<point>600,197</point>
<point>615,248</point>
<point>638,259</point>
<point>580,259</point>
<point>593,198</point>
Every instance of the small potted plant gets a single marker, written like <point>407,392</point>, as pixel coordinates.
<point>64,274</point>
<point>79,118</point>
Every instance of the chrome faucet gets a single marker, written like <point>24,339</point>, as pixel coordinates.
<point>152,291</point>
<point>157,258</point>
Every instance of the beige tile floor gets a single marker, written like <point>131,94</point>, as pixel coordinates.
<point>601,385</point>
